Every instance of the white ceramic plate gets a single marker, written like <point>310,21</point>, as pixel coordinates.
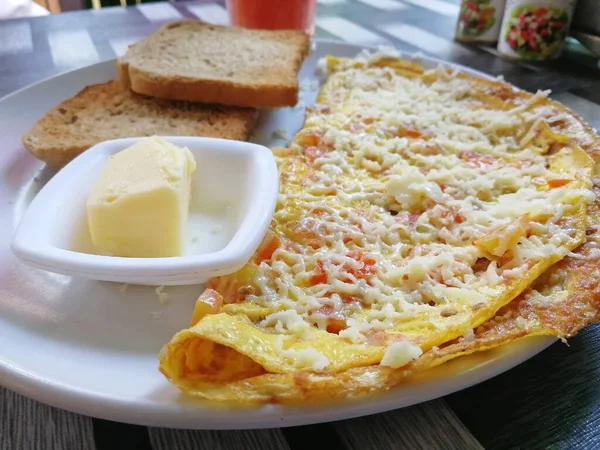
<point>91,347</point>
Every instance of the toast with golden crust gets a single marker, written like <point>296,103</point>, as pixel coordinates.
<point>107,111</point>
<point>199,62</point>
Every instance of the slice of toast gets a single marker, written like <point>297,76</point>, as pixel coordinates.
<point>200,62</point>
<point>107,111</point>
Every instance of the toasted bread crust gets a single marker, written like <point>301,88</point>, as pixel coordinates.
<point>107,111</point>
<point>224,92</point>
<point>280,91</point>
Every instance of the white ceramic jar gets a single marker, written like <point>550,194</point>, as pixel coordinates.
<point>535,29</point>
<point>479,21</point>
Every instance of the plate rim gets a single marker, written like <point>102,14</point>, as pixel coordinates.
<point>82,401</point>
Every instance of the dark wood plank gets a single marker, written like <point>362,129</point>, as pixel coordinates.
<point>551,401</point>
<point>429,426</point>
<point>301,438</point>
<point>29,425</point>
<point>169,439</point>
<point>120,436</point>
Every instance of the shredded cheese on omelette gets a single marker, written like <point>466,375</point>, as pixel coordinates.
<point>398,181</point>
<point>413,206</point>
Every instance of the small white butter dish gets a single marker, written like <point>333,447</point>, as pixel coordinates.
<point>234,192</point>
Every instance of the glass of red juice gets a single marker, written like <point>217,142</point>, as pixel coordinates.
<point>273,14</point>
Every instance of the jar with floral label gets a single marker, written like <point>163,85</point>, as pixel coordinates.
<point>535,29</point>
<point>479,21</point>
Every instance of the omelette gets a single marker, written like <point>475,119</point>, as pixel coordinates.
<point>422,215</point>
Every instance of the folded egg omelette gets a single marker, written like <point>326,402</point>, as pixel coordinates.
<point>423,215</point>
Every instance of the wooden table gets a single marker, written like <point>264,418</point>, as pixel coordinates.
<point>551,401</point>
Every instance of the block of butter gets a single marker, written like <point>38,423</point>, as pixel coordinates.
<point>139,206</point>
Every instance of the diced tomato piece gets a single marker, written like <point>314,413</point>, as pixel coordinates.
<point>266,249</point>
<point>368,264</point>
<point>355,254</point>
<point>326,310</point>
<point>409,132</point>
<point>353,127</point>
<point>412,218</point>
<point>319,276</point>
<point>412,133</point>
<point>477,159</point>
<point>558,183</point>
<point>347,299</point>
<point>375,337</point>
<point>427,149</point>
<point>312,153</point>
<point>533,44</point>
<point>451,212</point>
<point>309,238</point>
<point>365,271</point>
<point>319,211</point>
<point>487,12</point>
<point>335,325</point>
<point>408,217</point>
<point>504,93</point>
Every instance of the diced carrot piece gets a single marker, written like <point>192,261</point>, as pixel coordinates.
<point>558,183</point>
<point>265,251</point>
<point>412,133</point>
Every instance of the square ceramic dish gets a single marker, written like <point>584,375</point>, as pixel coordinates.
<point>234,192</point>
